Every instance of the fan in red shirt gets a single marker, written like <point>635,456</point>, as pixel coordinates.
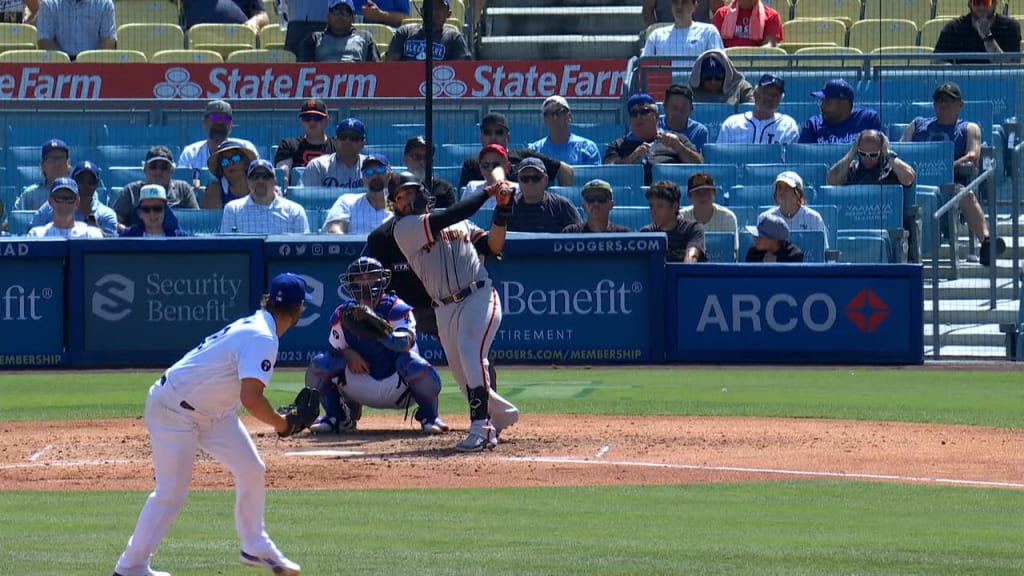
<point>748,23</point>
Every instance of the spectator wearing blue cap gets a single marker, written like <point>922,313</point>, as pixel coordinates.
<point>228,165</point>
<point>839,122</point>
<point>340,169</point>
<point>55,163</point>
<point>264,210</point>
<point>153,217</point>
<point>217,123</point>
<point>447,42</point>
<point>685,37</point>
<point>361,213</point>
<point>340,41</point>
<point>764,124</point>
<point>715,79</point>
<point>64,201</point>
<point>771,242</point>
<point>646,144</point>
<point>90,210</point>
<point>75,27</point>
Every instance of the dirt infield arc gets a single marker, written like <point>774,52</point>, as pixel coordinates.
<point>543,450</point>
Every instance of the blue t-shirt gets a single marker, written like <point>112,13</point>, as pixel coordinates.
<point>220,11</point>
<point>695,131</point>
<point>385,5</point>
<point>577,151</point>
<point>815,131</point>
<point>929,130</point>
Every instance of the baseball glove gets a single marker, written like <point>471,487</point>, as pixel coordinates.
<point>300,413</point>
<point>362,321</point>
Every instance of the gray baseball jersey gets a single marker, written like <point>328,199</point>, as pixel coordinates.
<point>446,263</point>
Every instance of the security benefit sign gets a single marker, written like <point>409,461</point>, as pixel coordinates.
<point>797,314</point>
<point>32,304</point>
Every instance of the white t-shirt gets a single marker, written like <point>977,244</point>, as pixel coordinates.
<point>328,172</point>
<point>804,219</point>
<point>722,220</point>
<point>355,209</point>
<point>745,129</point>
<point>79,230</point>
<point>694,40</point>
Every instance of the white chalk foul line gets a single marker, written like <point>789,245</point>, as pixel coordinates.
<point>65,464</point>
<point>815,473</point>
<point>35,455</point>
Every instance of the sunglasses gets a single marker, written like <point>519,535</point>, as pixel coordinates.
<point>64,199</point>
<point>491,165</point>
<point>261,175</point>
<point>555,113</point>
<point>229,160</point>
<point>499,132</point>
<point>311,117</point>
<point>368,172</point>
<point>982,2</point>
<point>530,179</point>
<point>869,154</point>
<point>220,118</point>
<point>162,166</point>
<point>351,137</point>
<point>637,112</point>
<point>155,209</point>
<point>596,199</point>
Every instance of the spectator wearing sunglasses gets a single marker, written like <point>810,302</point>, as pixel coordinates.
<point>839,122</point>
<point>157,168</point>
<point>361,213</point>
<point>217,123</point>
<point>560,142</point>
<point>414,158</point>
<point>340,41</point>
<point>535,209</point>
<point>598,202</point>
<point>229,166</point>
<point>264,210</point>
<point>64,202</point>
<point>491,157</point>
<point>55,163</point>
<point>494,130</point>
<point>870,160</point>
<point>340,169</point>
<point>447,42</point>
<point>90,209</point>
<point>153,217</point>
<point>982,30</point>
<point>702,191</point>
<point>646,144</point>
<point>314,142</point>
<point>715,79</point>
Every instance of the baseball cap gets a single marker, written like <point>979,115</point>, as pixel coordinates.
<point>378,158</point>
<point>259,163</point>
<point>792,179</point>
<point>554,100</point>
<point>597,187</point>
<point>218,107</point>
<point>351,125</point>
<point>641,98</point>
<point>836,88</point>
<point>700,181</point>
<point>288,288</point>
<point>949,89</point>
<point>414,143</point>
<point>495,118</point>
<point>772,80</point>
<point>769,226</point>
<point>155,155</point>
<point>86,166</point>
<point>213,162</point>
<point>152,192</point>
<point>712,68</point>
<point>54,145</point>
<point>64,183</point>
<point>493,148</point>
<point>534,163</point>
<point>333,3</point>
<point>314,106</point>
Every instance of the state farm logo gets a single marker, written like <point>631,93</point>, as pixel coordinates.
<point>316,300</point>
<point>113,298</point>
<point>177,84</point>
<point>445,85</point>
<point>866,310</point>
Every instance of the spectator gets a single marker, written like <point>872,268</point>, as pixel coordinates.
<point>560,142</point>
<point>303,18</point>
<point>655,11</point>
<point>764,124</point>
<point>217,125</point>
<point>229,166</point>
<point>64,201</point>
<point>341,168</point>
<point>55,163</point>
<point>491,157</point>
<point>19,11</point>
<point>701,190</point>
<point>415,160</point>
<point>361,213</point>
<point>676,119</point>
<point>534,208</point>
<point>447,42</point>
<point>339,41</point>
<point>645,143</point>
<point>715,79</point>
<point>263,210</point>
<point>153,216</point>
<point>791,200</point>
<point>685,237</point>
<point>839,122</point>
<point>748,23</point>
<point>75,27</point>
<point>870,160</point>
<point>389,12</point>
<point>247,12</point>
<point>494,130</point>
<point>771,242</point>
<point>157,168</point>
<point>946,125</point>
<point>597,204</point>
<point>982,30</point>
<point>313,143</point>
<point>90,210</point>
<point>685,37</point>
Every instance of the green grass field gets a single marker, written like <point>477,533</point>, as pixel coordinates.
<point>792,528</point>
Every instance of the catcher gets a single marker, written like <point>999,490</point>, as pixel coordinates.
<point>373,360</point>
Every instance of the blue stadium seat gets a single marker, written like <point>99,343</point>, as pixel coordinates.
<point>725,175</point>
<point>32,135</point>
<point>760,195</point>
<point>295,176</point>
<point>19,221</point>
<point>933,161</point>
<point>829,215</point>
<point>601,134</point>
<point>764,174</point>
<point>456,154</point>
<point>316,220</point>
<point>121,176</point>
<point>119,155</point>
<point>712,114</point>
<point>746,215</point>
<point>865,207</point>
<point>864,247</point>
<point>618,175</point>
<point>396,133</point>
<point>31,155</point>
<point>928,200</point>
<point>317,198</point>
<point>811,242</point>
<point>632,217</point>
<point>143,136</point>
<point>24,176</point>
<point>199,222</point>
<point>573,193</point>
<point>827,154</point>
<point>719,246</point>
<point>393,152</point>
<point>994,86</point>
<point>449,174</point>
<point>482,218</point>
<point>739,154</point>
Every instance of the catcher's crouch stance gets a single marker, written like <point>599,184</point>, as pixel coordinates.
<point>373,360</point>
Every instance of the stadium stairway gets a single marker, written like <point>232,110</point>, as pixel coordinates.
<point>557,30</point>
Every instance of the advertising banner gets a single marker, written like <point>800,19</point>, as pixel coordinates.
<point>796,314</point>
<point>32,304</point>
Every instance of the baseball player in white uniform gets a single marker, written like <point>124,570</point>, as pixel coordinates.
<point>193,405</point>
<point>444,249</point>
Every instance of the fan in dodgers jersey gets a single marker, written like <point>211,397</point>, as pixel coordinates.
<point>444,249</point>
<point>764,124</point>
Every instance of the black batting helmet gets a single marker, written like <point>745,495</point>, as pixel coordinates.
<point>422,201</point>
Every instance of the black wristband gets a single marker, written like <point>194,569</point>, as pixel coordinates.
<point>500,218</point>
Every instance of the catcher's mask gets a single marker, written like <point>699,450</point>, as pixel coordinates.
<point>421,202</point>
<point>365,280</point>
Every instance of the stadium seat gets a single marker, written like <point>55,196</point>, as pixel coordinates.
<point>947,9</point>
<point>725,175</point>
<point>749,56</point>
<point>224,34</point>
<point>148,12</point>
<point>271,9</point>
<point>111,57</point>
<point>381,33</point>
<point>17,37</point>
<point>271,38</point>
<point>738,154</point>
<point>760,195</point>
<point>449,174</point>
<point>393,152</point>
<point>764,174</point>
<point>601,134</point>
<point>745,215</point>
<point>865,206</point>
<point>186,56</point>
<point>815,153</point>
<point>121,176</point>
<point>931,160</point>
<point>618,175</point>
<point>811,242</point>
<point>140,138</point>
<point>864,247</point>
<point>905,61</point>
<point>455,154</point>
<point>199,222</point>
<point>482,218</point>
<point>150,38</point>
<point>829,63</point>
<point>719,246</point>
<point>868,35</point>
<point>261,56</point>
<point>41,56</point>
<point>823,31</point>
<point>316,197</point>
<point>712,114</point>
<point>632,217</point>
<point>846,10</point>
<point>19,221</point>
<point>32,135</point>
<point>917,11</point>
<point>458,9</point>
<point>930,31</point>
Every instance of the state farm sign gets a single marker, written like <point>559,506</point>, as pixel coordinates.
<point>511,79</point>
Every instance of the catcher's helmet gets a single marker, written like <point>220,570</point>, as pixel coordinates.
<point>423,200</point>
<point>363,290</point>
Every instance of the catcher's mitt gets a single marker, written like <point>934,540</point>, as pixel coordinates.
<point>301,413</point>
<point>362,321</point>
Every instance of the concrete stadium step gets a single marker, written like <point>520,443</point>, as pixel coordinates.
<point>973,311</point>
<point>970,288</point>
<point>966,335</point>
<point>561,20</point>
<point>1004,269</point>
<point>572,47</point>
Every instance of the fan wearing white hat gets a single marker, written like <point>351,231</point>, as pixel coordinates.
<point>791,205</point>
<point>771,241</point>
<point>560,142</point>
<point>153,217</point>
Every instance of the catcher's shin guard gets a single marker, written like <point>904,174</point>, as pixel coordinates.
<point>423,381</point>
<point>323,369</point>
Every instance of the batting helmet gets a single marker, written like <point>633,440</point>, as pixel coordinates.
<point>365,289</point>
<point>422,201</point>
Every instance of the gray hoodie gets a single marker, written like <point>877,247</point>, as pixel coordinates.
<point>735,89</point>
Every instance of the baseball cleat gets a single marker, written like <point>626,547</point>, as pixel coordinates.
<point>477,443</point>
<point>151,572</point>
<point>327,425</point>
<point>436,427</point>
<point>273,561</point>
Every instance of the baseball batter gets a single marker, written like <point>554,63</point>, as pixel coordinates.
<point>193,405</point>
<point>444,250</point>
<point>381,372</point>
